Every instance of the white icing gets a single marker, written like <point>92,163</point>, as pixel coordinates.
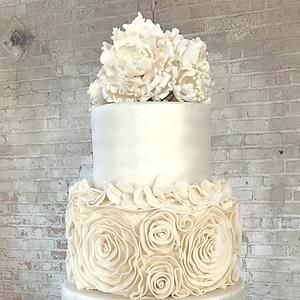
<point>103,252</point>
<point>133,142</point>
<point>158,233</point>
<point>179,196</point>
<point>160,245</point>
<point>161,277</point>
<point>207,251</point>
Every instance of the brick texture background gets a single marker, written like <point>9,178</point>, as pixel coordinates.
<point>254,48</point>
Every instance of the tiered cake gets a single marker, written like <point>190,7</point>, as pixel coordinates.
<point>151,223</point>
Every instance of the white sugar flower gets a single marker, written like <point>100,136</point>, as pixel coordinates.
<point>145,63</point>
<point>135,66</point>
<point>193,82</point>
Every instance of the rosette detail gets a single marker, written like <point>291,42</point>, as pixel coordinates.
<point>159,234</point>
<point>161,277</point>
<point>104,253</point>
<point>208,251</point>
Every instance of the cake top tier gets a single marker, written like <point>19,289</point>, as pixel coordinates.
<point>145,63</point>
<point>136,142</point>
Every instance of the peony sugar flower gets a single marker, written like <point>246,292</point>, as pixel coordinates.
<point>193,82</point>
<point>135,65</point>
<point>144,63</point>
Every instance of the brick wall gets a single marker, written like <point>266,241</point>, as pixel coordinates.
<point>45,145</point>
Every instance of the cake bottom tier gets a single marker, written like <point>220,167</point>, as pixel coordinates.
<point>153,242</point>
<point>235,292</point>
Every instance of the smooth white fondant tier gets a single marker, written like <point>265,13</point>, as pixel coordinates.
<point>135,142</point>
<point>235,292</point>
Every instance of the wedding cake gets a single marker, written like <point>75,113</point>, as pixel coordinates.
<point>151,223</point>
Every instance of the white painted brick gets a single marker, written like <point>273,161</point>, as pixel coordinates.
<point>251,223</point>
<point>236,154</point>
<point>268,110</point>
<point>262,139</point>
<point>265,167</point>
<point>245,181</point>
<point>268,250</point>
<point>293,166</point>
<point>259,276</point>
<point>263,80</point>
<point>246,96</point>
<point>282,180</point>
<point>243,195</point>
<point>285,93</point>
<point>270,152</point>
<point>271,223</point>
<point>297,195</point>
<point>229,168</point>
<point>253,125</point>
<point>290,223</point>
<point>274,194</point>
<point>286,123</point>
<point>238,82</point>
<point>228,140</point>
<point>229,112</point>
<point>217,154</point>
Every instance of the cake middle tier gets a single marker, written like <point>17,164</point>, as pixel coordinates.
<point>135,142</point>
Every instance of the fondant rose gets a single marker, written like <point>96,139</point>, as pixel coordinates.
<point>208,250</point>
<point>83,192</point>
<point>170,194</point>
<point>181,193</point>
<point>144,198</point>
<point>105,252</point>
<point>161,277</point>
<point>82,198</point>
<point>211,193</point>
<point>135,66</point>
<point>193,82</point>
<point>158,233</point>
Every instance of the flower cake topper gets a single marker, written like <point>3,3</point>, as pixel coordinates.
<point>144,63</point>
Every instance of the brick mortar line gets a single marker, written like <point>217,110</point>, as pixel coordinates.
<point>207,33</point>
<point>213,107</point>
<point>259,57</point>
<point>243,202</point>
<point>267,130</point>
<point>63,238</point>
<point>250,147</point>
<point>63,128</point>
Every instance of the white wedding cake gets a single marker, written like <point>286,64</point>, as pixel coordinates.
<point>152,223</point>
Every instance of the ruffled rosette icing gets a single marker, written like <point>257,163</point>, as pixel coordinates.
<point>207,249</point>
<point>158,233</point>
<point>159,241</point>
<point>161,277</point>
<point>103,252</point>
<point>180,196</point>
